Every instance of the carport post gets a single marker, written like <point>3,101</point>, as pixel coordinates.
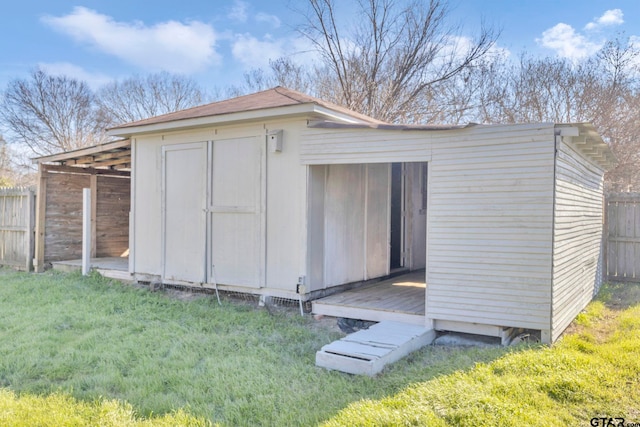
<point>86,231</point>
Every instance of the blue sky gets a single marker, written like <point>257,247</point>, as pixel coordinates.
<point>215,41</point>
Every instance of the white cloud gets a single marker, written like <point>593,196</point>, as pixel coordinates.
<point>252,52</point>
<point>273,20</point>
<point>94,80</point>
<point>239,11</point>
<point>567,43</point>
<point>172,46</point>
<point>609,18</point>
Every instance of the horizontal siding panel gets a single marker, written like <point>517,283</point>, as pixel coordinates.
<point>499,295</point>
<point>578,235</point>
<point>332,146</point>
<point>521,320</point>
<point>490,226</point>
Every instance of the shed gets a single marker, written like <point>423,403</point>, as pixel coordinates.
<point>499,227</point>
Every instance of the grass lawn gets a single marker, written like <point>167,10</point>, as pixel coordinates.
<point>89,351</point>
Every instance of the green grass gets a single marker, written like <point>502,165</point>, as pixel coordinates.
<point>234,364</point>
<point>85,348</point>
<point>60,410</point>
<point>594,371</point>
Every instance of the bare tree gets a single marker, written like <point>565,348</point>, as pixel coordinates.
<point>281,72</point>
<point>6,171</point>
<point>603,90</point>
<point>50,114</point>
<point>141,97</point>
<point>397,54</point>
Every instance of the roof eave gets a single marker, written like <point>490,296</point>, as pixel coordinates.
<point>589,141</point>
<point>308,109</point>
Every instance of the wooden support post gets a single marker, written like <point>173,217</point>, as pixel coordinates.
<point>94,209</point>
<point>41,210</point>
<point>30,233</point>
<point>86,231</point>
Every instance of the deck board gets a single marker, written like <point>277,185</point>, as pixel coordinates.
<point>115,265</point>
<point>401,297</point>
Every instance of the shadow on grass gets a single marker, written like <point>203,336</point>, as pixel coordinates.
<point>236,364</point>
<point>592,371</point>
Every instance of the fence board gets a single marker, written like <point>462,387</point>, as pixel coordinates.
<point>623,237</point>
<point>17,214</point>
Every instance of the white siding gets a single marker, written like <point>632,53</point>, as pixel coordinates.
<point>342,146</point>
<point>490,227</point>
<point>490,214</point>
<point>577,234</point>
<point>285,206</point>
<point>286,209</point>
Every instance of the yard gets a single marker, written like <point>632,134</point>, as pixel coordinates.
<point>77,351</point>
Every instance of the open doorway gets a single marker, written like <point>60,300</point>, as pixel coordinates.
<point>396,239</point>
<point>408,220</point>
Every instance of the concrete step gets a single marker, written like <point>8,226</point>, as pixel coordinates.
<point>367,352</point>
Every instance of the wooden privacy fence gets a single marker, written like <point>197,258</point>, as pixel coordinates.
<point>17,214</point>
<point>622,237</point>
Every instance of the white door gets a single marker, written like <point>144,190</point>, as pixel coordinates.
<point>236,214</point>
<point>184,179</point>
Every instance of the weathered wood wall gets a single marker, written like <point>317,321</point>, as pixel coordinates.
<point>17,212</point>
<point>63,216</point>
<point>61,220</point>
<point>112,215</point>
<point>622,236</point>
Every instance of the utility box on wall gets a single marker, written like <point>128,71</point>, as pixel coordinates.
<point>274,140</point>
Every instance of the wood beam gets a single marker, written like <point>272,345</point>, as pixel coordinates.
<point>84,170</point>
<point>84,151</point>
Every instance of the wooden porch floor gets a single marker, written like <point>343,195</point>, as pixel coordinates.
<point>113,267</point>
<point>401,299</point>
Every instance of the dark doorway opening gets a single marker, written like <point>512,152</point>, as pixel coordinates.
<point>396,259</point>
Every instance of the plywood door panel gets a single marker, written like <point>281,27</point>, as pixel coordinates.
<point>344,224</point>
<point>377,219</point>
<point>237,242</point>
<point>184,174</point>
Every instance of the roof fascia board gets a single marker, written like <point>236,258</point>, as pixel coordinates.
<point>87,151</point>
<point>262,114</point>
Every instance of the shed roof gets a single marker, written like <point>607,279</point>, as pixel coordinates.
<point>278,101</point>
<point>114,155</point>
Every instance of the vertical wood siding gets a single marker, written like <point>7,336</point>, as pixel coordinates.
<point>356,223</point>
<point>63,215</point>
<point>623,237</point>
<point>578,227</point>
<point>112,215</point>
<point>17,215</point>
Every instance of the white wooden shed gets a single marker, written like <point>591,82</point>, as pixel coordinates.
<point>281,194</point>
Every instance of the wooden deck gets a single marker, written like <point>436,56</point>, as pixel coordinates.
<point>114,267</point>
<point>400,299</point>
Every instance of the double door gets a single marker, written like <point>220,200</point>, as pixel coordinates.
<point>213,212</point>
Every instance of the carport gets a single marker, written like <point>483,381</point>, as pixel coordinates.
<point>106,170</point>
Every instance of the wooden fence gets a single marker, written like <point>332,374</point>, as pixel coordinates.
<point>622,237</point>
<point>17,219</point>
